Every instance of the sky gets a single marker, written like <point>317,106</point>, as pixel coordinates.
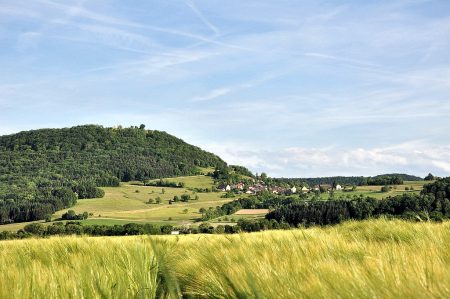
<point>290,88</point>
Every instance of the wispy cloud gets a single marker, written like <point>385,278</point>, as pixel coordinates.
<point>215,93</point>
<point>80,12</point>
<point>202,17</point>
<point>219,92</point>
<point>309,87</point>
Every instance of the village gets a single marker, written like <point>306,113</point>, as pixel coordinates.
<point>254,187</point>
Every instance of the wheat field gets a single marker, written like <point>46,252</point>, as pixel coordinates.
<point>369,259</point>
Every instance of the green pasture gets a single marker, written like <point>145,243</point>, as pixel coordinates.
<point>129,203</point>
<point>198,181</point>
<point>375,191</point>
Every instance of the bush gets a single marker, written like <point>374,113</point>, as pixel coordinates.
<point>34,228</point>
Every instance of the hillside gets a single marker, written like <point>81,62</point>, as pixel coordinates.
<point>41,170</point>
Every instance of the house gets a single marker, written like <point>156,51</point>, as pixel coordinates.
<point>294,189</point>
<point>305,189</point>
<point>239,186</point>
<point>257,188</point>
<point>175,232</point>
<point>224,188</point>
<point>338,187</point>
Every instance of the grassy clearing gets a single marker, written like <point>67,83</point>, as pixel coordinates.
<point>370,259</point>
<point>198,181</point>
<point>375,191</point>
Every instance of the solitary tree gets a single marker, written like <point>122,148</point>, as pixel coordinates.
<point>429,177</point>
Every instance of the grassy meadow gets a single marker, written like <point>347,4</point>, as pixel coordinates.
<point>375,191</point>
<point>128,203</point>
<point>368,259</point>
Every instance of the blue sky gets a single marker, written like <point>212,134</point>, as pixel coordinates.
<point>292,88</point>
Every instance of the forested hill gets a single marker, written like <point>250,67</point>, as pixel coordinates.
<point>383,179</point>
<point>43,169</point>
<point>97,152</point>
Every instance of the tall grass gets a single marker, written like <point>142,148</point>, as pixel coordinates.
<point>370,259</point>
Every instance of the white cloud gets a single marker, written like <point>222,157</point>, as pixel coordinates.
<point>213,94</point>
<point>415,157</point>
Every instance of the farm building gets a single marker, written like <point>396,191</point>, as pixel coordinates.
<point>225,188</point>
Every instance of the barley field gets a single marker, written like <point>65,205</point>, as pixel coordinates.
<point>369,259</point>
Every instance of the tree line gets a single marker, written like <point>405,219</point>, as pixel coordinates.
<point>77,228</point>
<point>379,180</point>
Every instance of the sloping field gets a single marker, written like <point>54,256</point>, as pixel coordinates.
<point>129,203</point>
<point>369,259</point>
<point>252,212</point>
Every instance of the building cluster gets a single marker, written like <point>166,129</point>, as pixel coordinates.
<point>260,186</point>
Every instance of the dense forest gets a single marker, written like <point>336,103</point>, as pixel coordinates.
<point>383,179</point>
<point>46,170</point>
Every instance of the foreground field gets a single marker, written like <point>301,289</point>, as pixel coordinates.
<point>370,259</point>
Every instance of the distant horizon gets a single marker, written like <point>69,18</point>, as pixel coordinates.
<point>290,88</point>
<point>253,171</point>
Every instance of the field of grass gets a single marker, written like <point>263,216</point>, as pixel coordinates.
<point>198,181</point>
<point>369,259</point>
<point>375,191</point>
<point>248,214</point>
<point>128,203</point>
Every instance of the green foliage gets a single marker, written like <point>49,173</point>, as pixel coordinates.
<point>46,170</point>
<point>433,203</point>
<point>385,189</point>
<point>429,177</point>
<point>165,183</point>
<point>71,215</point>
<point>241,171</point>
<point>185,197</point>
<point>379,180</point>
